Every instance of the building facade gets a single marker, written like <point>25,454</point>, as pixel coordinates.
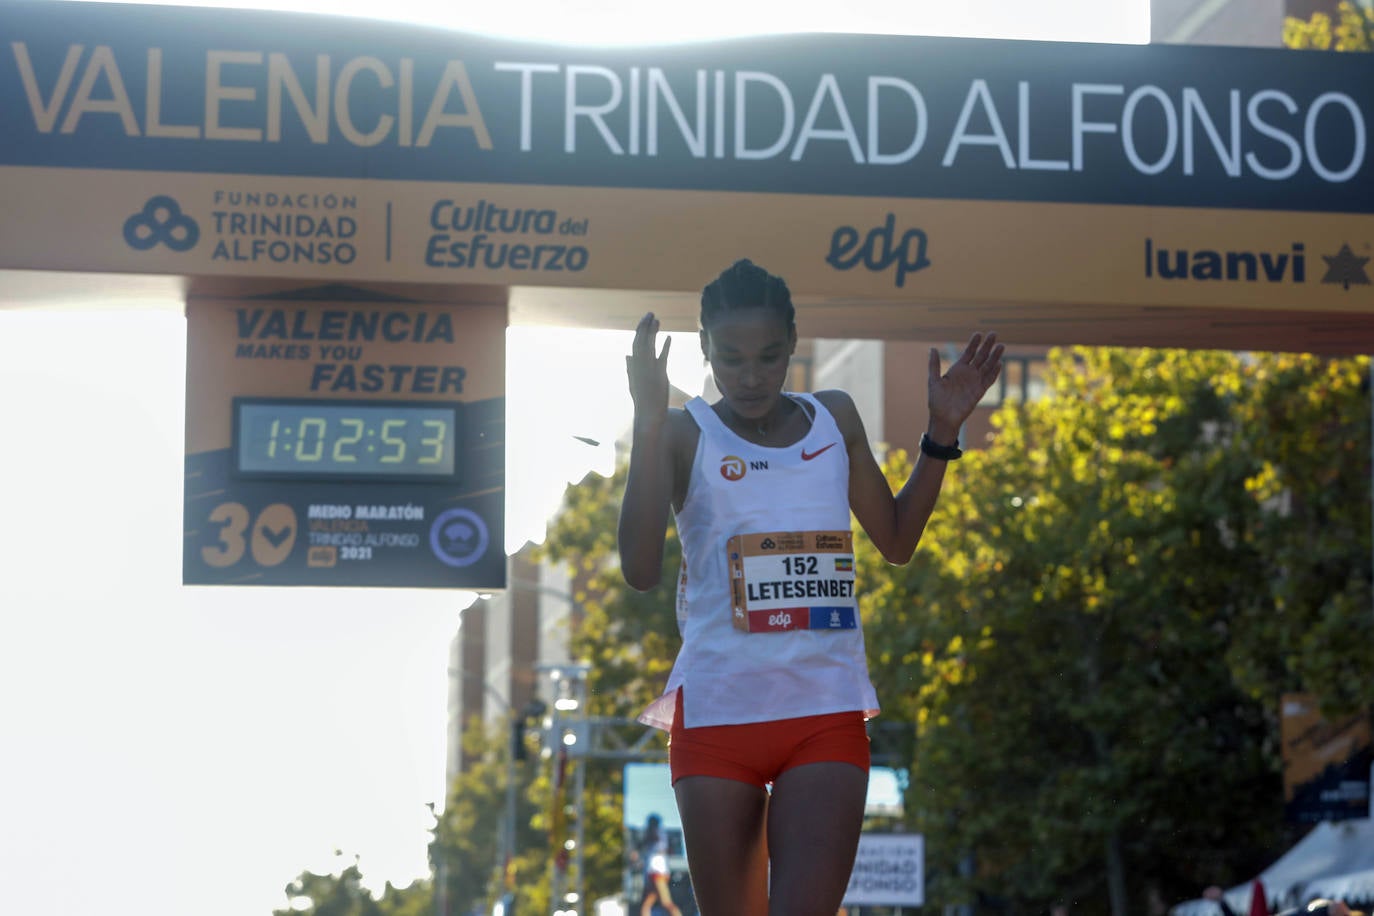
<point>504,641</point>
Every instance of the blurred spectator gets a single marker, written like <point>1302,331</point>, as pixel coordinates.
<point>652,857</point>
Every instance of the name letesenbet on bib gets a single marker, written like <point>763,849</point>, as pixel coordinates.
<point>792,580</point>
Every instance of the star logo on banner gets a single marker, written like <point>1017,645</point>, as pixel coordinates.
<point>1345,268</point>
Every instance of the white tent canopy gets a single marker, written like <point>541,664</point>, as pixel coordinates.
<point>1358,885</point>
<point>1335,859</point>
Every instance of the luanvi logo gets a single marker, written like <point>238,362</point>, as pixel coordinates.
<point>876,250</point>
<point>1209,264</point>
<point>1343,268</point>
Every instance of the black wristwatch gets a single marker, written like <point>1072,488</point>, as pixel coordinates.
<point>943,452</point>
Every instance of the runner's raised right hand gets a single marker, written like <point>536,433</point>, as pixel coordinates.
<point>648,372</point>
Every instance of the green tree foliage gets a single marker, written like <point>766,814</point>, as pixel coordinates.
<point>414,900</point>
<point>466,849</point>
<point>1304,424</point>
<point>1108,602</point>
<point>1352,30</point>
<point>344,894</point>
<point>630,639</point>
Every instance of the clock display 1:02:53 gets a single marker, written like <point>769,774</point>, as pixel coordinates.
<point>334,439</point>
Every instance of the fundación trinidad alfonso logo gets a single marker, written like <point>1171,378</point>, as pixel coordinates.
<point>161,222</point>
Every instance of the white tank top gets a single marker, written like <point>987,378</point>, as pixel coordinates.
<point>809,658</point>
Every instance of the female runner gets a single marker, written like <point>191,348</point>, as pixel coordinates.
<point>771,686</point>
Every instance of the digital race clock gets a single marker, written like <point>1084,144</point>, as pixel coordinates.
<point>343,440</point>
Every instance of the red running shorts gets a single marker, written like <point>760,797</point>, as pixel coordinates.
<point>760,752</point>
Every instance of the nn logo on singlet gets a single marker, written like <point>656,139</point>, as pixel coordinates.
<point>733,467</point>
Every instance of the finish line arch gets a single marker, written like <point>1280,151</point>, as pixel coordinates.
<point>906,187</point>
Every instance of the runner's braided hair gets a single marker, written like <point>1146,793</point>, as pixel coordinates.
<point>745,285</point>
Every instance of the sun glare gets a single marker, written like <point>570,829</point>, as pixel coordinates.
<point>624,22</point>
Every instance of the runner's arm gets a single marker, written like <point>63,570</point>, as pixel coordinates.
<point>649,485</point>
<point>895,523</point>
<point>644,511</point>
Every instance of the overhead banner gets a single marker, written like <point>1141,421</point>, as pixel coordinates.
<point>344,441</point>
<point>250,143</point>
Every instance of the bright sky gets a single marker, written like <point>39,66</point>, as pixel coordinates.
<point>171,750</point>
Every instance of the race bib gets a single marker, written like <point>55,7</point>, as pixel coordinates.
<point>792,580</point>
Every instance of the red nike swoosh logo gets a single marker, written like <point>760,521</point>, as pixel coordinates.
<point>806,457</point>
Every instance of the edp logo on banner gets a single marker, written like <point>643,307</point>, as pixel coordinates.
<point>877,250</point>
